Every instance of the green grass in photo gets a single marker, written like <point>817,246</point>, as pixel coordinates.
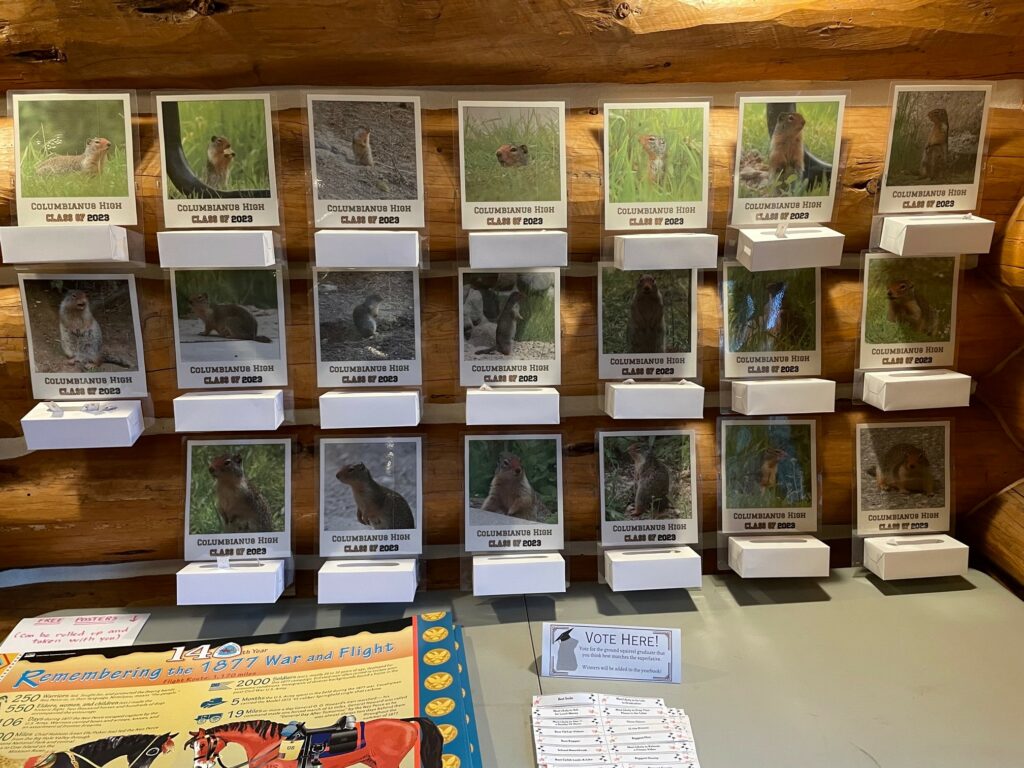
<point>617,287</point>
<point>620,486</point>
<point>264,469</point>
<point>629,178</point>
<point>932,277</point>
<point>47,129</point>
<point>243,123</point>
<point>772,311</point>
<point>485,129</point>
<point>248,287</point>
<point>746,448</point>
<point>819,137</point>
<point>540,463</point>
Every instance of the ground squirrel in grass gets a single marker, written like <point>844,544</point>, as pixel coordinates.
<point>219,156</point>
<point>90,162</point>
<point>786,157</point>
<point>240,506</point>
<point>651,478</point>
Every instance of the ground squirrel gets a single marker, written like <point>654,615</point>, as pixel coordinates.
<point>81,338</point>
<point>645,328</point>
<point>362,152</point>
<point>936,148</point>
<point>513,155</point>
<point>376,506</point>
<point>229,320</point>
<point>241,507</point>
<point>91,161</point>
<point>219,155</point>
<point>511,493</point>
<point>656,148</point>
<point>769,472</point>
<point>905,468</point>
<point>786,157</point>
<point>908,309</point>
<point>365,315</point>
<point>506,327</point>
<point>651,479</point>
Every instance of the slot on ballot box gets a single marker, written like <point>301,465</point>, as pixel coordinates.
<point>678,250</point>
<point>767,397</point>
<point>653,400</point>
<point>231,582</point>
<point>790,556</point>
<point>909,390</point>
<point>364,249</point>
<point>366,410</point>
<point>103,424</point>
<point>512,405</point>
<point>367,581</point>
<point>935,235</point>
<point>518,250</point>
<point>915,557</point>
<point>70,244</point>
<point>210,249</point>
<point>518,574</point>
<point>793,247</point>
<point>229,411</point>
<point>628,570</point>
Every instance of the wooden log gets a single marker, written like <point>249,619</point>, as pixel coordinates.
<point>996,529</point>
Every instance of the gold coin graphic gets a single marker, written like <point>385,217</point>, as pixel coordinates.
<point>435,634</point>
<point>440,707</point>
<point>448,732</point>
<point>437,656</point>
<point>434,616</point>
<point>438,681</point>
<point>450,761</point>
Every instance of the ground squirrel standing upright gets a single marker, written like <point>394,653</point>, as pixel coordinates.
<point>506,327</point>
<point>905,468</point>
<point>219,155</point>
<point>511,493</point>
<point>241,507</point>
<point>81,338</point>
<point>645,328</point>
<point>786,157</point>
<point>229,320</point>
<point>376,506</point>
<point>769,472</point>
<point>936,148</point>
<point>362,152</point>
<point>651,478</point>
<point>910,310</point>
<point>513,155</point>
<point>656,148</point>
<point>90,162</point>
<point>365,315</point>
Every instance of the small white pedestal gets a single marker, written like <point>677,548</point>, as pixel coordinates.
<point>680,250</point>
<point>243,582</point>
<point>243,410</point>
<point>364,249</point>
<point>909,390</point>
<point>359,409</point>
<point>209,249</point>
<point>514,250</point>
<point>512,405</point>
<point>367,581</point>
<point>915,557</point>
<point>628,570</point>
<point>514,574</point>
<point>73,243</point>
<point>769,397</point>
<point>931,235</point>
<point>118,427</point>
<point>763,557</point>
<point>759,248</point>
<point>653,400</point>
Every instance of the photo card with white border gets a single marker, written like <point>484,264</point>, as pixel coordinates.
<point>769,475</point>
<point>656,165</point>
<point>646,323</point>
<point>84,336</point>
<point>512,165</point>
<point>787,162</point>
<point>217,164</point>
<point>908,313</point>
<point>649,488</point>
<point>371,497</point>
<point>936,146</point>
<point>238,498</point>
<point>76,157</point>
<point>511,327</point>
<point>771,325</point>
<point>229,328</point>
<point>366,161</point>
<point>513,493</point>
<point>903,477</point>
<point>367,327</point>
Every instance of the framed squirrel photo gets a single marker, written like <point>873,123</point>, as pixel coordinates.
<point>656,165</point>
<point>76,155</point>
<point>908,315</point>
<point>648,488</point>
<point>772,322</point>
<point>513,164</point>
<point>229,328</point>
<point>769,475</point>
<point>84,336</point>
<point>367,327</point>
<point>238,499</point>
<point>217,160</point>
<point>366,159</point>
<point>903,477</point>
<point>371,497</point>
<point>647,323</point>
<point>511,327</point>
<point>936,147</point>
<point>787,158</point>
<point>513,487</point>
